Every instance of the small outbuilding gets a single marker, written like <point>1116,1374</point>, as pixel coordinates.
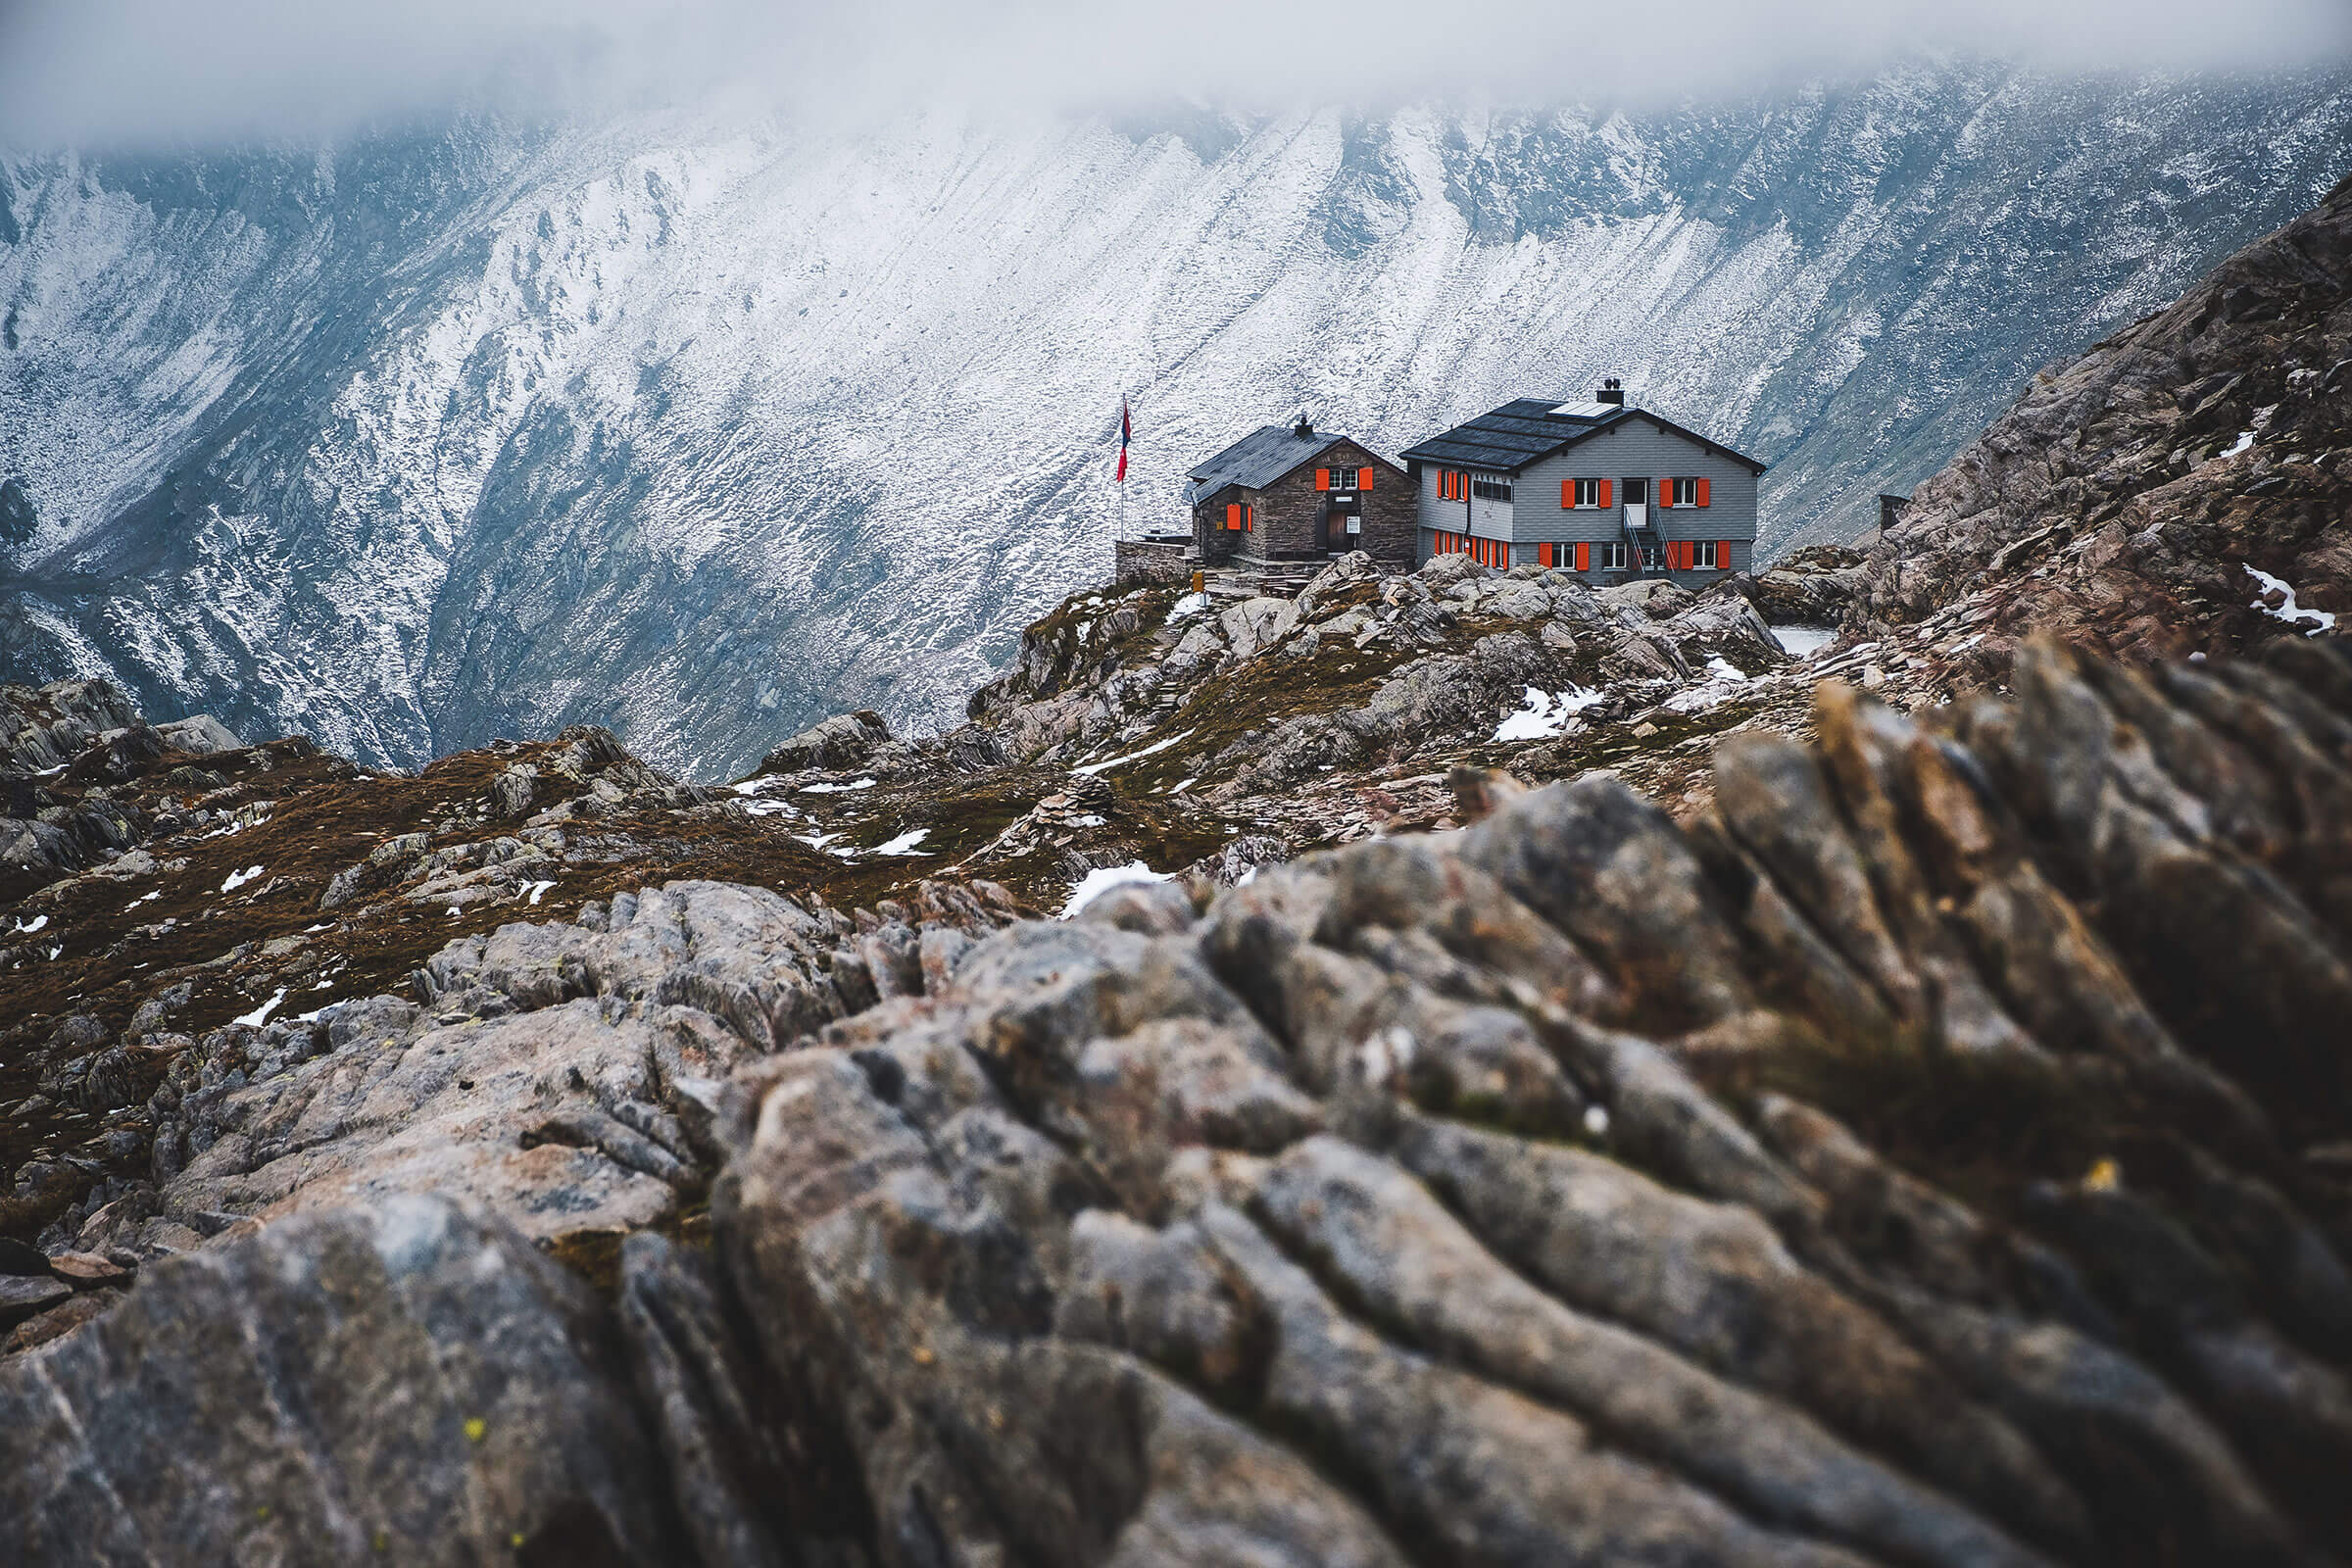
<point>1295,494</point>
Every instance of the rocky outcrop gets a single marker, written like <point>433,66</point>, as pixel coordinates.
<point>2183,487</point>
<point>566,1077</point>
<point>846,740</point>
<point>1877,1168</point>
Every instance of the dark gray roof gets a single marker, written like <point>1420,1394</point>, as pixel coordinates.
<point>1509,438</point>
<point>1262,457</point>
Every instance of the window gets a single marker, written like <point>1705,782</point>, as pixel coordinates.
<point>1491,489</point>
<point>1682,492</point>
<point>1583,492</point>
<point>1612,556</point>
<point>1712,556</point>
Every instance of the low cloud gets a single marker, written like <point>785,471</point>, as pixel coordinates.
<point>112,72</point>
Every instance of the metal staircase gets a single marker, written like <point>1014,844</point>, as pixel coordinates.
<point>1646,547</point>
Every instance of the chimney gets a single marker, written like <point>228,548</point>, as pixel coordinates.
<point>1302,431</point>
<point>1611,390</point>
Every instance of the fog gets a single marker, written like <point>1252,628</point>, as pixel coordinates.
<point>124,72</point>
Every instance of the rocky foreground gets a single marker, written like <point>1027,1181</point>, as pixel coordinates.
<point>1935,1150</point>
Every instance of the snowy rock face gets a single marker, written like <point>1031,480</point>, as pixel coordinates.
<point>705,432</point>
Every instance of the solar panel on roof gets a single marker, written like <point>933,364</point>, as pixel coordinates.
<point>1584,410</point>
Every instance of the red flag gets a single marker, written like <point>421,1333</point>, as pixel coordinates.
<point>1125,428</point>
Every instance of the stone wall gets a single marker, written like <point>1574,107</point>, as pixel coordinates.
<point>1159,560</point>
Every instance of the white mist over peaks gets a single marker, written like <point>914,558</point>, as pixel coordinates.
<point>147,72</point>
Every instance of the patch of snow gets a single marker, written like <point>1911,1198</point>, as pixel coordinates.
<point>1103,880</point>
<point>535,891</point>
<point>1722,677</point>
<point>1179,789</point>
<point>260,1014</point>
<point>749,786</point>
<point>770,808</point>
<point>312,1016</point>
<point>2246,439</point>
<point>157,892</point>
<point>2321,619</point>
<point>1132,757</point>
<point>1088,819</point>
<point>905,843</point>
<point>40,922</point>
<point>1543,715</point>
<point>1190,605</point>
<point>823,788</point>
<point>307,930</point>
<point>816,841</point>
<point>1803,642</point>
<point>237,879</point>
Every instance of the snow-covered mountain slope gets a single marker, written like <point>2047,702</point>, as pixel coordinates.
<point>703,431</point>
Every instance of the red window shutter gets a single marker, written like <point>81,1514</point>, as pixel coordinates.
<point>1723,554</point>
<point>1689,555</point>
<point>1364,478</point>
<point>1702,492</point>
<point>1233,514</point>
<point>1249,518</point>
<point>1322,478</point>
<point>1665,488</point>
<point>1567,494</point>
<point>1584,557</point>
<point>1608,493</point>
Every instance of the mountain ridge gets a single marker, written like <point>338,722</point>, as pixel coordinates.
<point>704,432</point>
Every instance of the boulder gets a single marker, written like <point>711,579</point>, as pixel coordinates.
<point>841,742</point>
<point>406,1382</point>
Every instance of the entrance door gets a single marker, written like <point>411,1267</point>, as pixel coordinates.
<point>1340,526</point>
<point>1636,502</point>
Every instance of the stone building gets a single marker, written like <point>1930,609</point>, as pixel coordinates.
<point>1298,495</point>
<point>1600,487</point>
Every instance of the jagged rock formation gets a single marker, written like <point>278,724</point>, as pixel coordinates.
<point>1937,1151</point>
<point>2123,500</point>
<point>193,1024</point>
